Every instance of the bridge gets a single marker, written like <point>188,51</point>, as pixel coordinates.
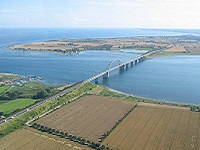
<point>121,66</point>
<point>104,74</point>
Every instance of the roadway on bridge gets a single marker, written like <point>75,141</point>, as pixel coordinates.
<point>73,87</point>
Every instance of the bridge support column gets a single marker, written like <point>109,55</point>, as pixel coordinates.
<point>96,81</point>
<point>106,76</point>
<point>126,66</point>
<point>132,64</point>
<point>137,61</point>
<point>122,68</point>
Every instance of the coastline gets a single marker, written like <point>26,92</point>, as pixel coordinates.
<point>170,46</point>
<point>105,91</point>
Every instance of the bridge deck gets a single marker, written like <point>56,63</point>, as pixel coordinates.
<point>118,66</point>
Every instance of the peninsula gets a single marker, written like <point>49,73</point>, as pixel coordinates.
<point>172,44</point>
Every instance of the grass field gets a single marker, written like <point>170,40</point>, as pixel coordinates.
<point>4,88</point>
<point>155,128</point>
<point>27,139</point>
<point>89,117</point>
<point>13,105</point>
<point>3,101</point>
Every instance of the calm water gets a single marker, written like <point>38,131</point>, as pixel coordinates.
<point>169,79</point>
<point>174,79</point>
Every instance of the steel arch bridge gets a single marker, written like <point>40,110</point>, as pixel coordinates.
<point>114,60</point>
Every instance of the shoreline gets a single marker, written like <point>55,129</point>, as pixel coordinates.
<point>149,100</point>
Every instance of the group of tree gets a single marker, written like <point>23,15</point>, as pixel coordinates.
<point>15,94</point>
<point>71,137</point>
<point>42,94</point>
<point>10,95</point>
<point>195,108</point>
<point>1,114</point>
<point>116,124</point>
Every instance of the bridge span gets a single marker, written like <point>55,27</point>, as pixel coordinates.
<point>121,67</point>
<point>104,74</point>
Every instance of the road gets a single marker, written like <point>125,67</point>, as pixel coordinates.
<point>120,65</point>
<point>72,88</point>
<point>41,102</point>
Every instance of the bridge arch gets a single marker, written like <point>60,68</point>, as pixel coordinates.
<point>110,66</point>
<point>114,60</point>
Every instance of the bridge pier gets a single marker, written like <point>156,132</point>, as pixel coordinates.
<point>106,76</point>
<point>96,81</point>
<point>122,68</point>
<point>137,61</point>
<point>126,66</point>
<point>132,64</point>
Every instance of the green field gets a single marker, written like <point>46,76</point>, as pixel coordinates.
<point>13,105</point>
<point>4,88</point>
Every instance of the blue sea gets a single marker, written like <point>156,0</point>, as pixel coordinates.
<point>174,79</point>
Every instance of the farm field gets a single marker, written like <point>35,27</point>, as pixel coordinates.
<point>27,139</point>
<point>195,50</point>
<point>12,105</point>
<point>156,128</point>
<point>89,117</point>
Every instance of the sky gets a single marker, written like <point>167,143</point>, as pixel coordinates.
<point>176,14</point>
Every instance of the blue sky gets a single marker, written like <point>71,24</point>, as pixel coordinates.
<point>100,13</point>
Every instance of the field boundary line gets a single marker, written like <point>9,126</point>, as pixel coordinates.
<point>129,129</point>
<point>122,126</point>
<point>65,103</point>
<point>117,123</point>
<point>70,137</point>
<point>107,118</point>
<point>99,110</point>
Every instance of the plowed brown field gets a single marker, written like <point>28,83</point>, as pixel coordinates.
<point>151,128</point>
<point>27,140</point>
<point>89,117</point>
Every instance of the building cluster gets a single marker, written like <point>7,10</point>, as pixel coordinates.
<point>19,81</point>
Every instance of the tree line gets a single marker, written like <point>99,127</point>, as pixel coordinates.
<point>71,137</point>
<point>11,95</point>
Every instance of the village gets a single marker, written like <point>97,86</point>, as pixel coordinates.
<point>18,81</point>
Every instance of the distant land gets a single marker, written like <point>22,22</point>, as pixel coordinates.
<point>175,44</point>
